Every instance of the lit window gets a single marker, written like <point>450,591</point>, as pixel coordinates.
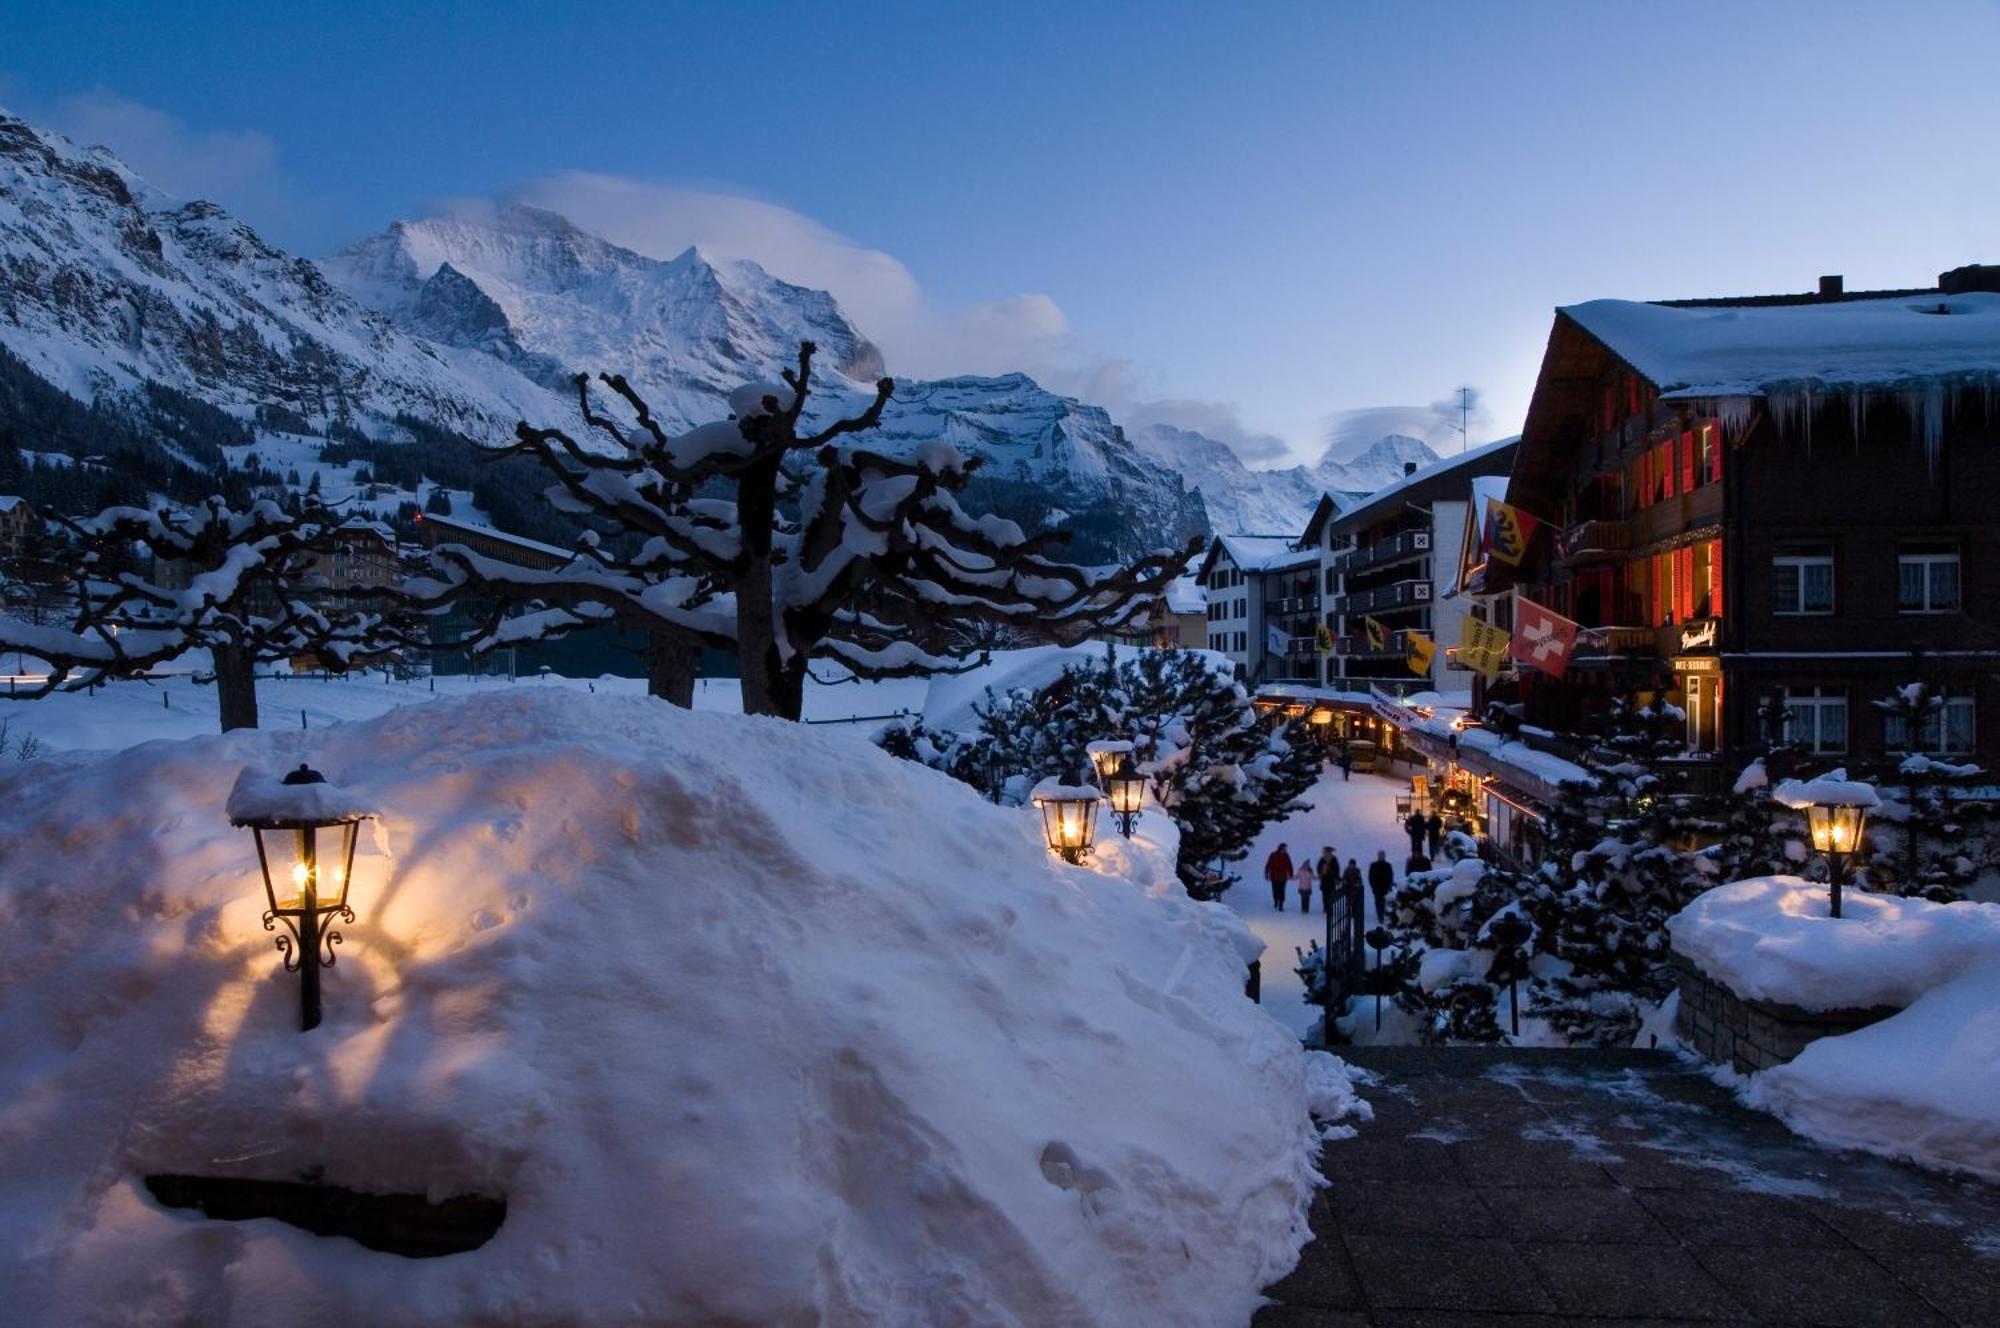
<point>1802,582</point>
<point>1927,581</point>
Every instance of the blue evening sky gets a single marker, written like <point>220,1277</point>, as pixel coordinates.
<point>1291,209</point>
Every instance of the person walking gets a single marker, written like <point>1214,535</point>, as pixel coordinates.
<point>1304,880</point>
<point>1434,834</point>
<point>1346,762</point>
<point>1329,877</point>
<point>1381,876</point>
<point>1414,826</point>
<point>1350,879</point>
<point>1278,871</point>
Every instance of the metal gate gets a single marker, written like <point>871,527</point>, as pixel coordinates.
<point>1343,950</point>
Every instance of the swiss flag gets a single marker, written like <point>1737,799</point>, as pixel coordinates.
<point>1542,639</point>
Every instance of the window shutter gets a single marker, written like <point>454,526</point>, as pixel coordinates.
<point>1715,576</point>
<point>1687,462</point>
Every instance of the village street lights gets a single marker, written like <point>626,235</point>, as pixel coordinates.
<point>305,887</point>
<point>1127,788</point>
<point>1105,754</point>
<point>1509,932</point>
<point>1836,809</point>
<point>1836,832</point>
<point>1069,817</point>
<point>1379,939</point>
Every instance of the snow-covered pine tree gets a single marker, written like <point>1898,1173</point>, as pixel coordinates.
<point>155,582</point>
<point>770,537</point>
<point>1939,850</point>
<point>1222,771</point>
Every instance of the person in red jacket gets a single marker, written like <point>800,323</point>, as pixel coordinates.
<point>1278,871</point>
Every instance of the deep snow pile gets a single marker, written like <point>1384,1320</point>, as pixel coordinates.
<point>748,1023</point>
<point>1923,1084</point>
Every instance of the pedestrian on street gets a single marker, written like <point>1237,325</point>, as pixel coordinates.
<point>1350,879</point>
<point>1278,871</point>
<point>1414,826</point>
<point>1329,877</point>
<point>1381,876</point>
<point>1434,833</point>
<point>1304,880</point>
<point>1346,762</point>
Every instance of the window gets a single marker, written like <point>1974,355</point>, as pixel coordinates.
<point>1802,582</point>
<point>1816,718</point>
<point>1242,642</point>
<point>1927,581</point>
<point>1242,610</point>
<point>1950,728</point>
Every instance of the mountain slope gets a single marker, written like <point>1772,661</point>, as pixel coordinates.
<point>1275,502</point>
<point>530,289</point>
<point>107,285</point>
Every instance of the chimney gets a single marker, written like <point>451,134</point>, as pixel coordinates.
<point>1409,467</point>
<point>1830,288</point>
<point>1971,277</point>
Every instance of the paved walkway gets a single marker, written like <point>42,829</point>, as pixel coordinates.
<point>1504,1186</point>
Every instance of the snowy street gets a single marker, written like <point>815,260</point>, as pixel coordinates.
<point>1357,817</point>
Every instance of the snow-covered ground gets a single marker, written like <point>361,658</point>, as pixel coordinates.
<point>1357,817</point>
<point>1923,1084</point>
<point>122,713</point>
<point>749,1022</point>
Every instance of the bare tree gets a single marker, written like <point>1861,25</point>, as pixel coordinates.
<point>768,537</point>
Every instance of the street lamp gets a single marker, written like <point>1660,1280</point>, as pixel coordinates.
<point>1836,832</point>
<point>1104,755</point>
<point>1379,939</point>
<point>303,886</point>
<point>1836,811</point>
<point>1509,932</point>
<point>1069,817</point>
<point>1127,788</point>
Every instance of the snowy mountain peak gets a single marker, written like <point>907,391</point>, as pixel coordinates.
<point>1383,461</point>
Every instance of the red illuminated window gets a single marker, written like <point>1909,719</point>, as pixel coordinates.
<point>1687,462</point>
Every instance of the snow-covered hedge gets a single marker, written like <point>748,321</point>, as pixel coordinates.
<point>1923,1084</point>
<point>748,1023</point>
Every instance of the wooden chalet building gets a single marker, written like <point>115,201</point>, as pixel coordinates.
<point>1763,506</point>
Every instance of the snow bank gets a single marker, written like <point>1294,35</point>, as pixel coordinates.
<point>1770,938</point>
<point>1924,1085</point>
<point>749,1024</point>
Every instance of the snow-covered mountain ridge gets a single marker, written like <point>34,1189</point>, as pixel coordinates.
<point>1275,502</point>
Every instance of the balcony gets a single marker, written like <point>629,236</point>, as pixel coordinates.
<point>1598,541</point>
<point>1395,646</point>
<point>1409,544</point>
<point>1400,595</point>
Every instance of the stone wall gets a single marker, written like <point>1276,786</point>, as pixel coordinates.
<point>1751,1035</point>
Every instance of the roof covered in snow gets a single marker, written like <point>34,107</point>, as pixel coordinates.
<point>1258,553</point>
<point>1187,595</point>
<point>1442,482</point>
<point>1904,343</point>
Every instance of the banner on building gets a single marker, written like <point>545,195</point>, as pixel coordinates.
<point>1422,650</point>
<point>1323,639</point>
<point>1506,532</point>
<point>1482,647</point>
<point>1377,634</point>
<point>1276,641</point>
<point>1543,638</point>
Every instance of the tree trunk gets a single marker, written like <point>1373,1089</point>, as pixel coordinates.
<point>672,662</point>
<point>236,686</point>
<point>756,632</point>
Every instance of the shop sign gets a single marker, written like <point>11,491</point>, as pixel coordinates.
<point>1697,664</point>
<point>1701,635</point>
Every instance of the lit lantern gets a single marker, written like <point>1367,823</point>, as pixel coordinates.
<point>1069,817</point>
<point>1836,810</point>
<point>1321,717</point>
<point>1127,788</point>
<point>1105,754</point>
<point>1836,832</point>
<point>306,877</point>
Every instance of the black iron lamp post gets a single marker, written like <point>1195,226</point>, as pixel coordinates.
<point>1069,817</point>
<point>1836,832</point>
<point>1106,756</point>
<point>1127,788</point>
<point>305,878</point>
<point>1510,931</point>
<point>1379,939</point>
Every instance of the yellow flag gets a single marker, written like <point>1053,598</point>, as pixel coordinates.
<point>1378,635</point>
<point>1482,647</point>
<point>1506,532</point>
<point>1422,648</point>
